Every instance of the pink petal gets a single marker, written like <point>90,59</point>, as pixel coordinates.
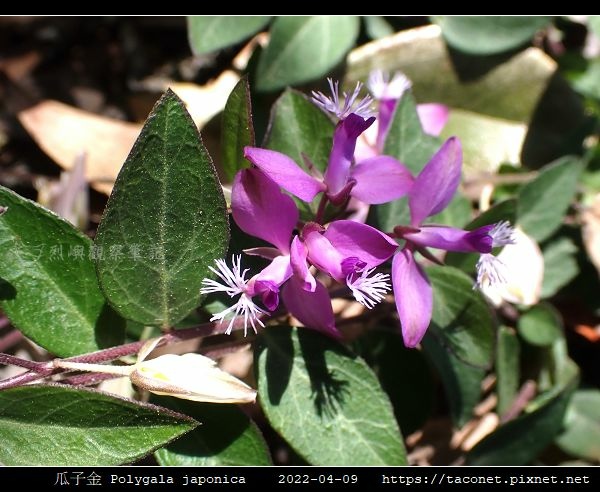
<point>260,208</point>
<point>433,117</point>
<point>387,107</point>
<point>437,183</point>
<point>353,239</point>
<point>313,309</point>
<point>342,151</point>
<point>285,172</point>
<point>298,254</point>
<point>276,272</point>
<point>414,297</point>
<point>380,179</point>
<point>324,256</point>
<point>452,239</point>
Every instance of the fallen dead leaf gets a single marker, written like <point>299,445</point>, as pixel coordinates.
<point>591,231</point>
<point>64,132</point>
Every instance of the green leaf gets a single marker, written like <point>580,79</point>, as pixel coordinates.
<point>406,140</point>
<point>487,142</point>
<point>588,83</point>
<point>401,372</point>
<point>456,214</point>
<point>48,286</point>
<point>540,326</point>
<point>377,27</point>
<point>488,35</point>
<point>461,319</point>
<point>544,201</point>
<point>325,402</point>
<point>211,33</point>
<point>560,265</point>
<point>55,425</point>
<point>167,201</point>
<point>462,382</point>
<point>226,437</point>
<point>517,91</point>
<point>581,436</point>
<point>520,441</point>
<point>297,127</point>
<point>507,368</point>
<point>237,129</point>
<point>304,48</point>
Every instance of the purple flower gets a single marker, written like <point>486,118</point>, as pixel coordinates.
<point>379,179</point>
<point>432,191</point>
<point>388,92</point>
<point>347,251</point>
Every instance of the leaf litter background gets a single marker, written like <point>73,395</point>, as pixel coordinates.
<point>525,101</point>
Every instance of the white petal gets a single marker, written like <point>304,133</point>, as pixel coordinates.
<point>191,377</point>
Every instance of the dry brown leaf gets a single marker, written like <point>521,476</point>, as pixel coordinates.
<point>64,132</point>
<point>591,231</point>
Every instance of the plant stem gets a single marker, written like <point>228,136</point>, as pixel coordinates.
<point>7,359</point>
<point>10,340</point>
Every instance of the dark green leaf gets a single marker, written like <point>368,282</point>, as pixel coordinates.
<point>377,27</point>
<point>325,402</point>
<point>211,33</point>
<point>542,203</point>
<point>225,437</point>
<point>304,48</point>
<point>461,320</point>
<point>540,325</point>
<point>462,383</point>
<point>486,35</point>
<point>237,130</point>
<point>298,128</point>
<point>521,440</point>
<point>56,425</point>
<point>168,203</point>
<point>560,265</point>
<point>508,372</point>
<point>401,372</point>
<point>48,286</point>
<point>581,436</point>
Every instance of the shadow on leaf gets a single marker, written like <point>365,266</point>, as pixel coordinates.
<point>7,290</point>
<point>328,392</point>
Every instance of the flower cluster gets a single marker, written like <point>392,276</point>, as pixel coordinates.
<point>304,253</point>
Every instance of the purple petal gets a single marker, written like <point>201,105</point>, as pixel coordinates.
<point>437,183</point>
<point>263,252</point>
<point>414,297</point>
<point>324,256</point>
<point>313,309</point>
<point>380,179</point>
<point>384,118</point>
<point>451,239</point>
<point>353,239</point>
<point>433,117</point>
<point>298,254</point>
<point>267,282</point>
<point>285,172</point>
<point>260,208</point>
<point>276,273</point>
<point>342,151</point>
